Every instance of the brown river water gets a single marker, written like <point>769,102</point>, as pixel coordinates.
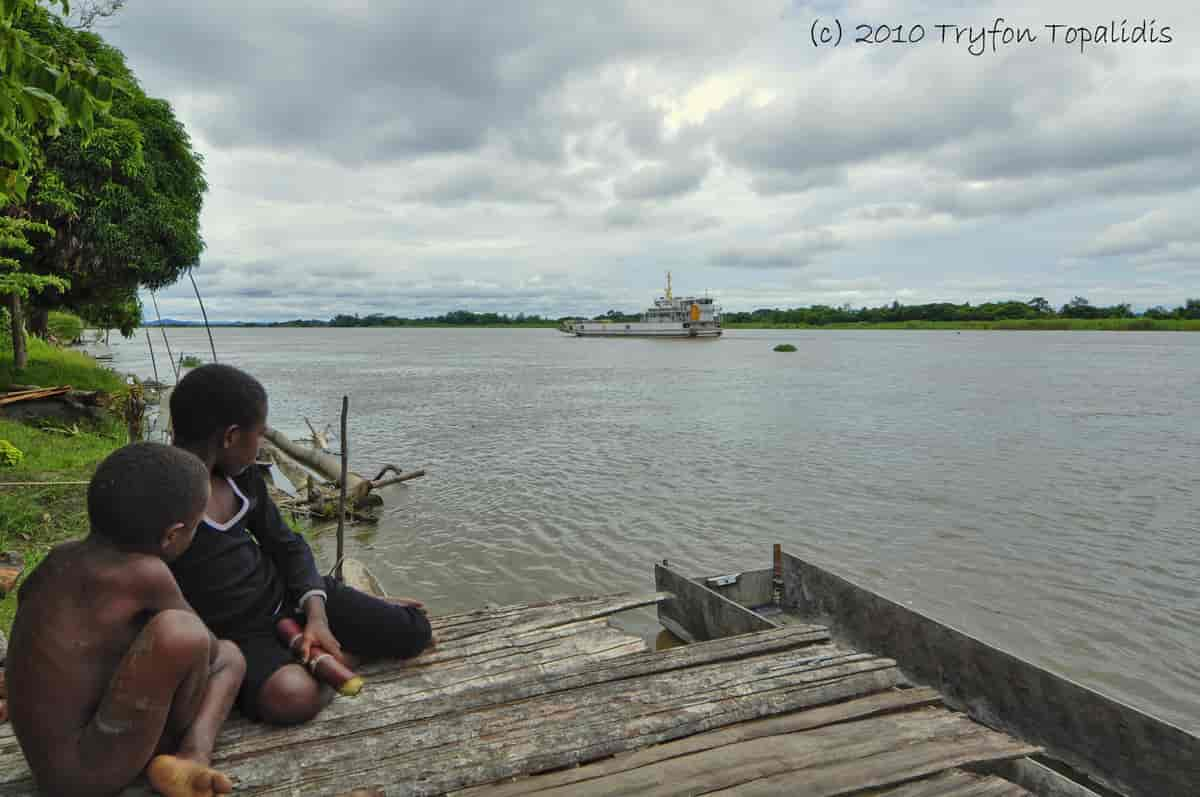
<point>1035,489</point>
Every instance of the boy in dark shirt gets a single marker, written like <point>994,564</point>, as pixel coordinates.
<point>246,569</point>
<point>109,665</point>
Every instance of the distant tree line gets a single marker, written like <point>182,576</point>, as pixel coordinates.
<point>455,318</point>
<point>816,315</point>
<point>1078,307</point>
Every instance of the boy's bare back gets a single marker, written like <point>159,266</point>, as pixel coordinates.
<point>80,612</point>
<point>110,672</point>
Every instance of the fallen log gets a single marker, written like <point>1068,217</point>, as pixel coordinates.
<point>358,489</point>
<point>329,466</point>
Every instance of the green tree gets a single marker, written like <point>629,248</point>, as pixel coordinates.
<point>124,201</point>
<point>41,91</point>
<point>16,284</point>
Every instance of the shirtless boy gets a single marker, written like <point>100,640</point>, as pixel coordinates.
<point>110,672</point>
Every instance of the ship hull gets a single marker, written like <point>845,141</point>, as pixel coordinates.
<point>634,329</point>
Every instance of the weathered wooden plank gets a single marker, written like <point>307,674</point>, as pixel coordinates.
<point>531,677</point>
<point>897,766</point>
<point>1121,747</point>
<point>449,690</point>
<point>749,588</point>
<point>525,683</point>
<point>862,708</point>
<point>834,760</point>
<point>695,613</point>
<point>475,747</point>
<point>603,704</point>
<point>955,783</point>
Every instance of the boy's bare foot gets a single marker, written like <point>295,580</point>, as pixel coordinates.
<point>181,777</point>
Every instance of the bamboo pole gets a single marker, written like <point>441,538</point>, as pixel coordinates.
<point>153,364</point>
<point>204,313</point>
<point>163,330</point>
<point>342,494</point>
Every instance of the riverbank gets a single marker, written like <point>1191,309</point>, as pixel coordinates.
<point>1046,324</point>
<point>33,519</point>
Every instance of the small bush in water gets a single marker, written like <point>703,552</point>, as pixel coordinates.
<point>785,347</point>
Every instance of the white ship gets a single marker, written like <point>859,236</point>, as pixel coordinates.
<point>670,317</point>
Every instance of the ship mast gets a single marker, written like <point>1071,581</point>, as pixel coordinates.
<point>669,286</point>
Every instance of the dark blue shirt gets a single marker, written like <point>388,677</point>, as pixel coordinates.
<point>238,575</point>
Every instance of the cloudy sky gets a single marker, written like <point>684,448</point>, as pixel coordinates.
<point>558,157</point>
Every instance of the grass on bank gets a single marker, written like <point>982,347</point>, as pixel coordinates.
<point>1062,324</point>
<point>35,519</point>
<point>50,366</point>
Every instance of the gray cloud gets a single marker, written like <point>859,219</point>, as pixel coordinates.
<point>664,180</point>
<point>794,252</point>
<point>433,156</point>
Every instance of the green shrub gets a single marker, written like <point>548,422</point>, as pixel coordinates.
<point>10,455</point>
<point>785,347</point>
<point>190,361</point>
<point>65,326</point>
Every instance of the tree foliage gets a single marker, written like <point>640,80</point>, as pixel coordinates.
<point>124,201</point>
<point>1037,308</point>
<point>41,92</point>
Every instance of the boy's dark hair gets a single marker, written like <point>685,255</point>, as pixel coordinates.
<point>143,489</point>
<point>212,398</point>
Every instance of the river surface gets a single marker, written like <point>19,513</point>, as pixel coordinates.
<point>1036,489</point>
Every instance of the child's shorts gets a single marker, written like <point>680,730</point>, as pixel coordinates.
<point>362,624</point>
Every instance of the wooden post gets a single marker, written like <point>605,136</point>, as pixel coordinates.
<point>342,492</point>
<point>777,575</point>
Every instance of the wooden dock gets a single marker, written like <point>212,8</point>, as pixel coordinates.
<point>550,698</point>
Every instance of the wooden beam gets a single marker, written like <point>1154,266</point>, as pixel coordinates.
<point>696,613</point>
<point>470,748</point>
<point>957,783</point>
<point>1039,778</point>
<point>862,708</point>
<point>1121,747</point>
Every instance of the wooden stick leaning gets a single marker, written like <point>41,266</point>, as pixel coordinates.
<point>341,530</point>
<point>163,330</point>
<point>153,364</point>
<point>212,346</point>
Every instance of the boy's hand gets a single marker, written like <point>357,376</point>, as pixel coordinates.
<point>316,632</point>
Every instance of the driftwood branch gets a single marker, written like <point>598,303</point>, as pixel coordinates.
<point>327,465</point>
<point>400,477</point>
<point>320,440</point>
<point>385,469</point>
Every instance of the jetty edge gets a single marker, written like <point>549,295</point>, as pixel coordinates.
<point>548,698</point>
<point>1092,744</point>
